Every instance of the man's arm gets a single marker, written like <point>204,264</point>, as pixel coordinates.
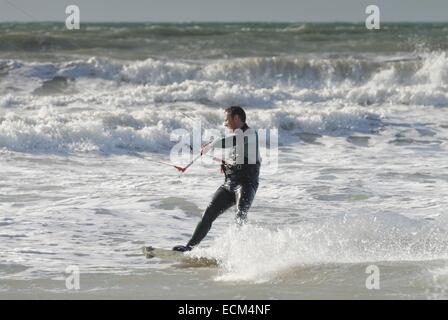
<point>227,142</point>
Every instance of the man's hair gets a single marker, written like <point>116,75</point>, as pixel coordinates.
<point>236,110</point>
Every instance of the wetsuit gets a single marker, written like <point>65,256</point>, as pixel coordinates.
<point>240,184</point>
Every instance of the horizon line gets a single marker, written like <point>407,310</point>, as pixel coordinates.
<point>228,21</point>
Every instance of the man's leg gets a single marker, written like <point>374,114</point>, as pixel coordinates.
<point>245,195</point>
<point>222,200</point>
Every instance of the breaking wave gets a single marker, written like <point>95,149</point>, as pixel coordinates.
<point>418,80</point>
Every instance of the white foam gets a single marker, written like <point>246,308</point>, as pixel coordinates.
<point>257,81</point>
<point>9,101</point>
<point>49,130</point>
<point>260,254</point>
<point>157,72</point>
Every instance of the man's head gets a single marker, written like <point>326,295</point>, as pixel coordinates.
<point>234,117</point>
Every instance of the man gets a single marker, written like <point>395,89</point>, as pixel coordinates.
<point>241,171</point>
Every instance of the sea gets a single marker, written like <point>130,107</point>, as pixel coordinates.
<point>353,194</point>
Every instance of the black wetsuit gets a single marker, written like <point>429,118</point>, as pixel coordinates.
<point>239,188</point>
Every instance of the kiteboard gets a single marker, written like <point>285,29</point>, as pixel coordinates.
<point>177,256</point>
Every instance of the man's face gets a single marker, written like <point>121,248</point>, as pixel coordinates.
<point>231,123</point>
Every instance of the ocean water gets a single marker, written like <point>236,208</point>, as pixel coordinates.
<point>361,179</point>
